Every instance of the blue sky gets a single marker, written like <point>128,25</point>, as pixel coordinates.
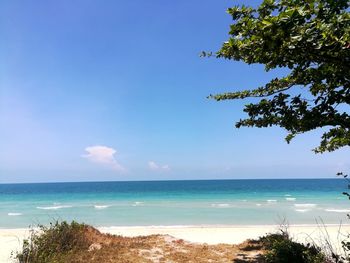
<point>116,90</point>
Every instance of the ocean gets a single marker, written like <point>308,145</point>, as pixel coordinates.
<point>175,203</point>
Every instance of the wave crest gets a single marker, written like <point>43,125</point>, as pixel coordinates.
<point>137,203</point>
<point>337,210</point>
<point>220,205</point>
<point>14,214</point>
<point>271,201</point>
<point>302,210</point>
<point>53,207</point>
<point>101,206</point>
<point>305,205</point>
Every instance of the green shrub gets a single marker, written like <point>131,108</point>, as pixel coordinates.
<point>50,244</point>
<point>281,249</point>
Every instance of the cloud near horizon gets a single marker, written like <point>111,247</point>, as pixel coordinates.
<point>156,167</point>
<point>103,155</point>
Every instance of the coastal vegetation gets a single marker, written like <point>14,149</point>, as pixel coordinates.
<point>309,39</point>
<point>280,248</point>
<point>63,242</point>
<point>54,243</point>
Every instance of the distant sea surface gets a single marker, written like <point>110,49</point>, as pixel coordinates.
<point>169,203</point>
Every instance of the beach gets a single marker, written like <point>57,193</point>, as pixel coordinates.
<point>124,131</point>
<point>11,239</point>
<point>212,211</point>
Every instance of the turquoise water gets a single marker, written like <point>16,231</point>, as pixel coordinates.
<point>207,202</point>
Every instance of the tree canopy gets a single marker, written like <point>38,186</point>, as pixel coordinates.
<point>312,39</point>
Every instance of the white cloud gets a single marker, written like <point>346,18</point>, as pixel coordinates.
<point>156,167</point>
<point>103,155</point>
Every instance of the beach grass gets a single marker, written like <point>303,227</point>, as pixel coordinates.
<point>62,242</point>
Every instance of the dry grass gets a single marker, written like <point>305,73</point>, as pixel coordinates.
<point>161,248</point>
<point>95,247</point>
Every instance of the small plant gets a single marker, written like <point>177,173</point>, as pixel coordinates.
<point>281,249</point>
<point>50,243</point>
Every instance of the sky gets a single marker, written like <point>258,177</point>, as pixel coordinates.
<point>116,90</point>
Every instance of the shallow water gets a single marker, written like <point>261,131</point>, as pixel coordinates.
<point>207,202</point>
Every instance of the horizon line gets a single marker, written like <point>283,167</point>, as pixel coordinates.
<point>171,180</point>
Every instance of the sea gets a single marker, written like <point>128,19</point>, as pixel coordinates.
<point>176,203</point>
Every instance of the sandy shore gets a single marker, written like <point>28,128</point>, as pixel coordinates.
<point>11,239</point>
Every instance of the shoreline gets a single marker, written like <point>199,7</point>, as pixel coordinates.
<point>11,238</point>
<point>198,226</point>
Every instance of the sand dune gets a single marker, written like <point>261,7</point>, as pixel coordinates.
<point>11,239</point>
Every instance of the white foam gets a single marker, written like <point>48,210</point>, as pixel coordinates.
<point>137,203</point>
<point>220,205</point>
<point>53,207</point>
<point>305,205</point>
<point>271,201</point>
<point>14,214</point>
<point>101,206</point>
<point>287,195</point>
<point>302,210</point>
<point>290,198</point>
<point>258,204</point>
<point>338,210</point>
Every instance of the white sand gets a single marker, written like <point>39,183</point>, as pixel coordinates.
<point>11,239</point>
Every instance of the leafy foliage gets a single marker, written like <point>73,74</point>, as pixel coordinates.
<point>281,249</point>
<point>312,39</point>
<point>50,244</point>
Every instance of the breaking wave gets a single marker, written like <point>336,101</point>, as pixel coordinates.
<point>14,214</point>
<point>53,207</point>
